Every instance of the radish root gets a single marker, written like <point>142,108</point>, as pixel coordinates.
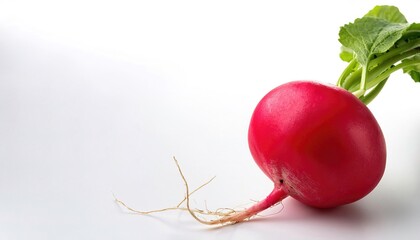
<point>225,215</point>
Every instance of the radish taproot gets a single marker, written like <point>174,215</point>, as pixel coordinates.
<point>318,143</point>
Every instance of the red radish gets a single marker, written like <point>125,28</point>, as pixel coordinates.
<point>318,144</point>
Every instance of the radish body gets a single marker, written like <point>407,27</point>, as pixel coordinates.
<point>319,144</point>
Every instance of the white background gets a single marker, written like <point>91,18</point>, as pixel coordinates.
<point>97,96</point>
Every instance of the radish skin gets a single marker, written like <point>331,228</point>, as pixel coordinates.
<point>317,143</point>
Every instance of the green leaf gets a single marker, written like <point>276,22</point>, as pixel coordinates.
<point>370,35</point>
<point>414,27</point>
<point>413,70</point>
<point>390,13</point>
<point>346,54</point>
<point>415,75</point>
<point>377,45</point>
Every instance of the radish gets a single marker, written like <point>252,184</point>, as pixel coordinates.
<point>320,144</point>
